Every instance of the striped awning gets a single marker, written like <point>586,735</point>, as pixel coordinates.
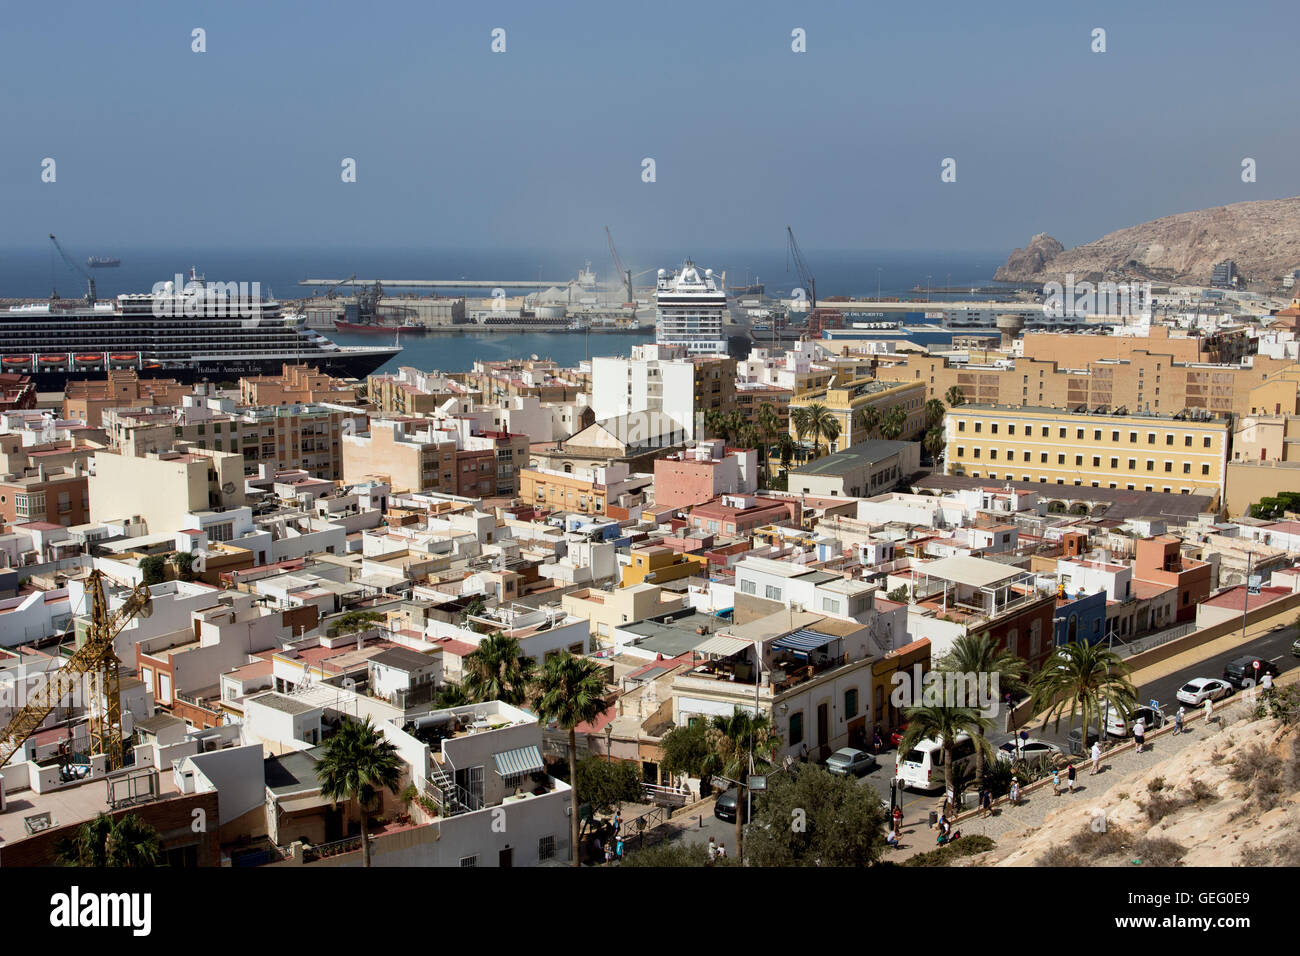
<point>723,646</point>
<point>515,763</point>
<point>804,640</point>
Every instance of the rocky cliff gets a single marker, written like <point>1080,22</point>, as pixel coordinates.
<point>1262,237</point>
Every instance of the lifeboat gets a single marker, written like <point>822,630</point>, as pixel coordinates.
<point>17,360</point>
<point>89,359</point>
<point>125,357</point>
<point>53,359</point>
<point>153,365</point>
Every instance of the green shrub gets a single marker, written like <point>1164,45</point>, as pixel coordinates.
<point>944,855</point>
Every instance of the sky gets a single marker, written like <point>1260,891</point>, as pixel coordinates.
<point>543,144</point>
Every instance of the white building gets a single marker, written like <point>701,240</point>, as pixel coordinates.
<point>656,380</point>
<point>689,309</point>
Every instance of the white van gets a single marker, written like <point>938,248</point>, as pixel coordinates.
<point>921,768</point>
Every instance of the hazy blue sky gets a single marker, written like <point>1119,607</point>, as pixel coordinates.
<point>542,144</point>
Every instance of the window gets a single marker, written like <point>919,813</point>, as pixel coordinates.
<point>748,587</point>
<point>961,451</point>
<point>1114,463</point>
<point>1133,437</point>
<point>1114,436</point>
<point>1151,465</point>
<point>979,426</point>
<point>993,429</point>
<point>467,861</point>
<point>1096,435</point>
<point>796,728</point>
<point>961,426</point>
<point>1096,461</point>
<point>1078,434</point>
<point>1169,466</point>
<point>1060,459</point>
<point>1151,438</point>
<point>545,848</point>
<point>1207,441</point>
<point>1205,469</point>
<point>1187,441</point>
<point>1011,429</point>
<point>1044,431</point>
<point>830,604</point>
<point>772,593</point>
<point>993,454</point>
<point>1187,468</point>
<point>851,703</point>
<point>1078,460</point>
<point>1132,464</point>
<point>1169,438</point>
<point>1042,458</point>
<point>1062,433</point>
<point>1026,456</point>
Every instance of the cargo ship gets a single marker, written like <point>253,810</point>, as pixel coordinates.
<point>103,262</point>
<point>206,331</point>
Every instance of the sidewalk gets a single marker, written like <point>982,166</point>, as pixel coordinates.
<point>1221,645</point>
<point>1037,800</point>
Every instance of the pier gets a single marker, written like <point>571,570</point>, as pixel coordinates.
<point>441,283</point>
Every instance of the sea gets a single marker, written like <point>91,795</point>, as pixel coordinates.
<point>33,271</point>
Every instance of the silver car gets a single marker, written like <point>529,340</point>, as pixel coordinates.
<point>850,762</point>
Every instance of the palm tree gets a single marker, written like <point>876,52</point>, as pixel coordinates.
<point>358,762</point>
<point>934,412</point>
<point>945,723</point>
<point>801,421</point>
<point>1083,676</point>
<point>450,695</point>
<point>785,450</point>
<point>569,692</point>
<point>820,423</point>
<point>869,419</point>
<point>934,441</point>
<point>954,397</point>
<point>498,670</point>
<point>979,655</point>
<point>894,423</point>
<point>126,841</point>
<point>735,741</point>
<point>769,424</point>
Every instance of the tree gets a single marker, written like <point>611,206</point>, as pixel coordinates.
<point>686,752</point>
<point>675,855</point>
<point>354,621</point>
<point>869,419</point>
<point>733,742</point>
<point>769,426</point>
<point>605,784</point>
<point>184,562</point>
<point>819,422</point>
<point>498,670</point>
<point>898,595</point>
<point>154,569</point>
<point>450,695</point>
<point>358,763</point>
<point>785,450</point>
<point>894,423</point>
<point>1083,676</point>
<point>934,412</point>
<point>476,606</point>
<point>979,655</point>
<point>125,841</point>
<point>809,817</point>
<point>934,441</point>
<point>945,723</point>
<point>569,692</point>
<point>954,397</point>
<point>801,421</point>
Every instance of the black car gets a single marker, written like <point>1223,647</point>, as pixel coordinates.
<point>724,808</point>
<point>1243,668</point>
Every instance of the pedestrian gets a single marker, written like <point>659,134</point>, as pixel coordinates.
<point>876,743</point>
<point>1266,683</point>
<point>609,855</point>
<point>988,802</point>
<point>713,849</point>
<point>618,821</point>
<point>722,850</point>
<point>1015,792</point>
<point>898,819</point>
<point>892,838</point>
<point>1096,757</point>
<point>803,753</point>
<point>1209,710</point>
<point>1178,721</point>
<point>618,848</point>
<point>1140,735</point>
<point>1069,774</point>
<point>1056,782</point>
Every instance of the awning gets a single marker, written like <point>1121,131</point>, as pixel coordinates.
<point>723,646</point>
<point>515,763</point>
<point>804,640</point>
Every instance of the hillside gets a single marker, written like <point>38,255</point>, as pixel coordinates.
<point>1262,237</point>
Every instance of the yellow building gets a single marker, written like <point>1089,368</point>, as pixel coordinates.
<point>164,487</point>
<point>1164,453</point>
<point>848,400</point>
<point>606,610</point>
<point>659,565</point>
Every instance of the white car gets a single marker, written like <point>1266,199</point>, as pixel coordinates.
<point>1200,689</point>
<point>1031,749</point>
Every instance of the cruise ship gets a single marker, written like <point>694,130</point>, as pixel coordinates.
<point>214,331</point>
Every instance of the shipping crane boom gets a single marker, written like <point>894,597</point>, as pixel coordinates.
<point>94,663</point>
<point>72,264</point>
<point>805,274</point>
<point>624,273</point>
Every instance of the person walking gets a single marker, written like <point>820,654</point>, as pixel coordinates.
<point>1069,775</point>
<point>713,849</point>
<point>986,802</point>
<point>1015,792</point>
<point>1056,782</point>
<point>1209,710</point>
<point>618,849</point>
<point>1096,757</point>
<point>722,850</point>
<point>898,819</point>
<point>1178,721</point>
<point>1140,735</point>
<point>1266,684</point>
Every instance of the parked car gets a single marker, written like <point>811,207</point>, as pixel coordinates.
<point>1295,647</point>
<point>724,808</point>
<point>1199,689</point>
<point>848,761</point>
<point>1116,726</point>
<point>1031,749</point>
<point>1237,671</point>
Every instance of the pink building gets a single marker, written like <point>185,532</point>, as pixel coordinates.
<point>703,473</point>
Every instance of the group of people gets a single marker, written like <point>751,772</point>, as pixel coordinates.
<point>1070,773</point>
<point>612,849</point>
<point>717,850</point>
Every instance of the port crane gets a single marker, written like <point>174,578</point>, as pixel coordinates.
<point>94,665</point>
<point>329,293</point>
<point>805,274</point>
<point>72,264</point>
<point>624,273</point>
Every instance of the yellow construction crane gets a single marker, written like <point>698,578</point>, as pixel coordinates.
<point>94,665</point>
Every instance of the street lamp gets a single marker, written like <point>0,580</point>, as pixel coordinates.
<point>609,735</point>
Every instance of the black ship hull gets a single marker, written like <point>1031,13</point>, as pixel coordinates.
<point>348,364</point>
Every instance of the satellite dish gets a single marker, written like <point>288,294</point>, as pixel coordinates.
<point>228,488</point>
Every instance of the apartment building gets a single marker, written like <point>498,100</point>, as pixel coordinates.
<point>702,473</point>
<point>848,400</point>
<point>295,385</point>
<point>414,392</point>
<point>165,488</point>
<point>123,388</point>
<point>664,379</point>
<point>583,490</point>
<point>407,461</point>
<point>867,468</point>
<point>1173,454</point>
